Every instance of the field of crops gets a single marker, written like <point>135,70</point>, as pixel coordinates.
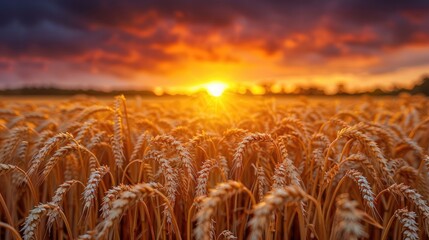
<point>214,168</point>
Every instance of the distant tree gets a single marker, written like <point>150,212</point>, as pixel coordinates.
<point>341,89</point>
<point>422,87</point>
<point>378,92</point>
<point>267,86</point>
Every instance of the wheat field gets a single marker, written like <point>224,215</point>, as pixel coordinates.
<point>206,168</point>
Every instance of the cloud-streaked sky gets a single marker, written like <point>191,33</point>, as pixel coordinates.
<point>141,43</point>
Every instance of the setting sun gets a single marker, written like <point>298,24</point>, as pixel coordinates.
<point>216,88</point>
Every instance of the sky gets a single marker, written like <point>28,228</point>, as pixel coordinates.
<point>105,44</point>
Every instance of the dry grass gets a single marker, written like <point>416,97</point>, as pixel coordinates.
<point>203,168</point>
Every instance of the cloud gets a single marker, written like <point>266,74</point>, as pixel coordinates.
<point>129,38</point>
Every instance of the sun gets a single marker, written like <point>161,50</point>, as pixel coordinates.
<point>216,88</point>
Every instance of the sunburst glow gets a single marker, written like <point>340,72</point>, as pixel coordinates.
<point>216,89</point>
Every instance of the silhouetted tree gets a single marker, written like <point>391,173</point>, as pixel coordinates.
<point>341,89</point>
<point>267,86</point>
<point>423,87</point>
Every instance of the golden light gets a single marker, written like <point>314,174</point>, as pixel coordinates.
<point>216,88</point>
<point>158,91</point>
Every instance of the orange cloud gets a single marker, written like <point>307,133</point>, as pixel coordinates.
<point>156,43</point>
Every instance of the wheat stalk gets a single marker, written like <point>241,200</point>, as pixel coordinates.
<point>228,235</point>
<point>46,149</point>
<point>371,148</point>
<point>261,181</point>
<point>61,153</point>
<point>203,176</point>
<point>348,220</point>
<point>123,202</point>
<point>415,198</point>
<point>117,139</point>
<point>271,202</point>
<point>58,198</point>
<point>139,145</point>
<point>239,152</point>
<point>364,187</point>
<point>410,229</point>
<point>6,168</point>
<point>220,193</point>
<point>31,224</point>
<point>182,152</point>
<point>12,140</point>
<point>90,192</point>
<point>111,195</point>
<point>286,170</point>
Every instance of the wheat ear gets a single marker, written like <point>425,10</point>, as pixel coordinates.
<point>122,203</point>
<point>271,202</point>
<point>33,220</point>
<point>414,197</point>
<point>58,198</point>
<point>348,220</point>
<point>220,193</point>
<point>240,150</point>
<point>410,228</point>
<point>90,192</point>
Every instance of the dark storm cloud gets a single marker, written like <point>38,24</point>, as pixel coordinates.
<point>127,36</point>
<point>395,23</point>
<point>46,39</point>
